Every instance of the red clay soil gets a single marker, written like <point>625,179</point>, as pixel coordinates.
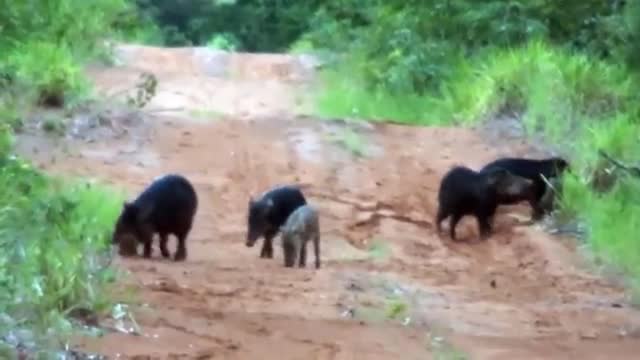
<point>522,294</point>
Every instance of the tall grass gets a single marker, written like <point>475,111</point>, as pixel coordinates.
<point>54,250</point>
<point>54,247</point>
<point>578,103</point>
<point>555,90</point>
<point>343,94</point>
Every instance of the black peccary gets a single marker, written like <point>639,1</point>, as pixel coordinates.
<point>467,192</point>
<point>530,169</point>
<point>167,206</point>
<point>302,226</point>
<point>269,212</point>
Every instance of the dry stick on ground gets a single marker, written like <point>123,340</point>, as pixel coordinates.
<point>632,170</point>
<point>378,208</point>
<point>573,229</point>
<point>544,178</point>
<point>146,88</point>
<point>604,177</point>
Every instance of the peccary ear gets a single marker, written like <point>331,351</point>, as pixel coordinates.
<point>251,201</point>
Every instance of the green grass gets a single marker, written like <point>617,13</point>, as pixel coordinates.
<point>51,69</point>
<point>54,246</point>
<point>443,350</point>
<point>576,102</point>
<point>379,250</point>
<point>54,231</point>
<point>396,308</point>
<point>343,96</point>
<point>555,90</point>
<point>205,114</point>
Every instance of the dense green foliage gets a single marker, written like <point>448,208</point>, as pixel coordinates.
<point>55,246</point>
<point>411,47</point>
<point>257,25</point>
<point>54,237</point>
<point>42,41</point>
<point>407,44</point>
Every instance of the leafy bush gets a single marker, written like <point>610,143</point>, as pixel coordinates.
<point>44,42</point>
<point>412,46</point>
<point>78,23</point>
<point>48,68</point>
<point>54,244</point>
<point>610,217</point>
<point>223,41</point>
<point>259,25</point>
<point>344,96</point>
<point>54,232</point>
<point>555,89</point>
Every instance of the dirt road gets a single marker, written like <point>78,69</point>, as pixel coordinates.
<point>389,287</point>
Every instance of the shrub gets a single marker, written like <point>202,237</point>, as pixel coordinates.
<point>224,41</point>
<point>555,89</point>
<point>54,245</point>
<point>49,69</point>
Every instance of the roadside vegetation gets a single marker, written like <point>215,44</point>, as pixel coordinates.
<point>54,232</point>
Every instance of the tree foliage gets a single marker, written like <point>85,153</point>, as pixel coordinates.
<point>403,45</point>
<point>43,42</point>
<point>411,45</point>
<point>259,25</point>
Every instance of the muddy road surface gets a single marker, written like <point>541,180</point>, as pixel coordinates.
<point>389,288</point>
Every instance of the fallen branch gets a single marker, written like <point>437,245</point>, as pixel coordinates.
<point>378,209</point>
<point>549,184</point>
<point>632,170</point>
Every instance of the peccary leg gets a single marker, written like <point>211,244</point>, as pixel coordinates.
<point>455,218</point>
<point>181,251</point>
<point>289,253</point>
<point>485,227</point>
<point>303,253</point>
<point>537,212</point>
<point>146,238</point>
<point>164,238</point>
<point>485,218</point>
<point>267,245</point>
<point>316,248</point>
<point>147,247</point>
